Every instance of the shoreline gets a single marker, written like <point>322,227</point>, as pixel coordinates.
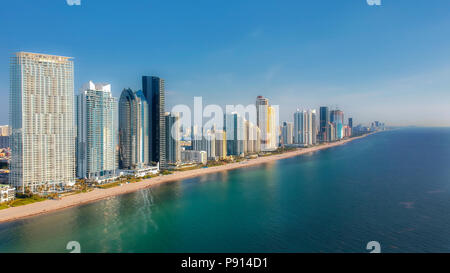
<point>47,206</point>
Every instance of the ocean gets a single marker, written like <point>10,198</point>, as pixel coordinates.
<point>392,187</point>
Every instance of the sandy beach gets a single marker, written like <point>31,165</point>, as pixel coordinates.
<point>15,213</point>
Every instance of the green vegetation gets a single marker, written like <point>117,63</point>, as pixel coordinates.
<point>22,200</point>
<point>166,172</point>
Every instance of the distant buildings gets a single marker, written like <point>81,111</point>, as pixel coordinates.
<point>42,122</point>
<point>173,136</point>
<point>324,113</point>
<point>4,130</point>
<point>266,118</point>
<point>337,118</point>
<point>7,193</point>
<point>252,138</point>
<point>135,134</point>
<point>221,144</point>
<point>235,132</point>
<point>305,127</point>
<point>4,136</point>
<point>4,142</point>
<point>190,156</point>
<point>287,133</point>
<point>96,132</point>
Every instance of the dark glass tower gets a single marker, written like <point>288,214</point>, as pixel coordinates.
<point>153,88</point>
<point>324,120</point>
<point>350,122</point>
<point>128,130</point>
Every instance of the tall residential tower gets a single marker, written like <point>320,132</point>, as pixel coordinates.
<point>96,132</point>
<point>153,88</point>
<point>42,122</point>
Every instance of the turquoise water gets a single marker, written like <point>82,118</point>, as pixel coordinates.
<point>392,187</point>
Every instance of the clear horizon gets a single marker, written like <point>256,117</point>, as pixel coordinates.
<point>388,63</point>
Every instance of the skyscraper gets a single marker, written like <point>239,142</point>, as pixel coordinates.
<point>262,111</point>
<point>153,88</point>
<point>287,134</point>
<point>130,124</point>
<point>305,127</point>
<point>221,144</point>
<point>313,124</point>
<point>324,120</point>
<point>173,136</point>
<point>235,132</point>
<point>96,132</point>
<point>42,122</point>
<point>143,131</point>
<point>337,118</point>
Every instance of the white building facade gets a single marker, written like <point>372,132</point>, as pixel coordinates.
<point>42,122</point>
<point>97,135</point>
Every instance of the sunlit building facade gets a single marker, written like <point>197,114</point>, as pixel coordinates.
<point>97,134</point>
<point>42,122</point>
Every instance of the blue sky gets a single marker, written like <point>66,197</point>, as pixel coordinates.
<point>389,62</point>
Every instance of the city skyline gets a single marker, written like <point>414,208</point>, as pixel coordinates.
<point>357,62</point>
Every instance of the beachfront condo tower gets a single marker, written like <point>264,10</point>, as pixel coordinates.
<point>287,133</point>
<point>305,127</point>
<point>324,114</point>
<point>235,134</point>
<point>97,137</point>
<point>153,88</point>
<point>42,122</point>
<point>267,121</point>
<point>262,119</point>
<point>173,137</point>
<point>337,118</point>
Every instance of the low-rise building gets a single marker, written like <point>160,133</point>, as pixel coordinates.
<point>7,193</point>
<point>194,156</point>
<point>140,172</point>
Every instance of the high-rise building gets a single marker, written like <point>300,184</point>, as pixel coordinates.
<point>96,132</point>
<point>305,127</point>
<point>235,130</point>
<point>131,127</point>
<point>252,138</point>
<point>273,132</point>
<point>128,130</point>
<point>42,122</point>
<point>262,111</point>
<point>331,132</point>
<point>173,137</point>
<point>143,131</point>
<point>337,118</point>
<point>350,122</point>
<point>221,144</point>
<point>153,88</point>
<point>314,130</point>
<point>323,124</point>
<point>205,141</point>
<point>287,133</point>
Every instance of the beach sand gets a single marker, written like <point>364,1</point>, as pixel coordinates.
<point>15,213</point>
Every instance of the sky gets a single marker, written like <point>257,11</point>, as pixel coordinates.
<point>389,63</point>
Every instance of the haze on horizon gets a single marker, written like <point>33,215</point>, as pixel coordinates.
<point>389,63</point>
